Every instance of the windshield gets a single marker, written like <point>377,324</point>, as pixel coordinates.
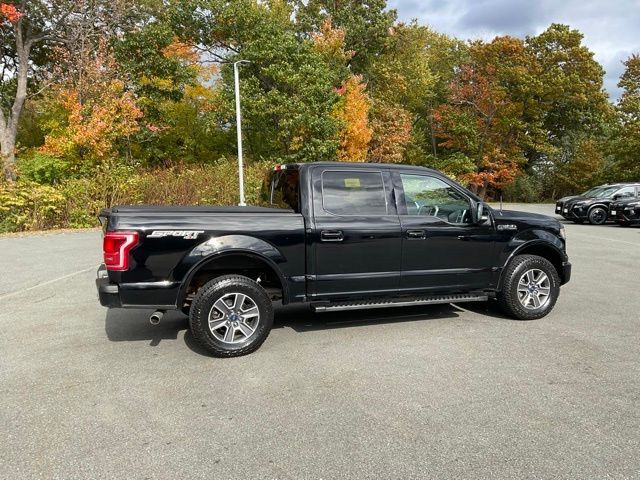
<point>592,192</point>
<point>606,192</point>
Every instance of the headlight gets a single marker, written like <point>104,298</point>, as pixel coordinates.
<point>563,232</point>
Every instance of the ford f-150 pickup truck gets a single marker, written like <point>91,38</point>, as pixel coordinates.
<point>338,236</point>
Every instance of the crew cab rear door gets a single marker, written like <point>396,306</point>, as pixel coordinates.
<point>355,239</point>
<point>442,247</point>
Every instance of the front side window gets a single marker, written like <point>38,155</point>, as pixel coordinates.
<point>353,193</point>
<point>626,192</point>
<point>431,197</point>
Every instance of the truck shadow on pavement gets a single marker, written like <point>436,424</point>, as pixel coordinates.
<point>133,325</point>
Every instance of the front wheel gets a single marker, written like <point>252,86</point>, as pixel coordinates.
<point>231,315</point>
<point>530,289</point>
<point>597,216</point>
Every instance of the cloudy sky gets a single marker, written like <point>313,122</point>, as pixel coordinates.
<point>611,28</point>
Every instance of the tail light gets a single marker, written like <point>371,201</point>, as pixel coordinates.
<point>116,247</point>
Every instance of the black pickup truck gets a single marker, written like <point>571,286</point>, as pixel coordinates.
<point>338,236</point>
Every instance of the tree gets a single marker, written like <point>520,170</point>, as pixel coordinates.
<point>96,118</point>
<point>391,126</point>
<point>288,89</point>
<point>483,119</point>
<point>624,143</point>
<point>353,112</point>
<point>366,24</point>
<point>28,30</point>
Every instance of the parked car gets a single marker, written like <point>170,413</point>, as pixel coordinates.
<point>626,212</point>
<point>343,236</point>
<point>595,209</point>
<point>588,194</point>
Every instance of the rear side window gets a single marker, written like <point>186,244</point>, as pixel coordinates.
<point>353,193</point>
<point>283,190</point>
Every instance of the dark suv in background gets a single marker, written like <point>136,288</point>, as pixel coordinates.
<point>626,212</point>
<point>594,207</point>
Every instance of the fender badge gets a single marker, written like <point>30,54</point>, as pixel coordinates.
<point>507,226</point>
<point>186,234</point>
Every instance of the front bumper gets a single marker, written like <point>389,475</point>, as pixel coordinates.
<point>628,215</point>
<point>108,293</point>
<point>575,212</point>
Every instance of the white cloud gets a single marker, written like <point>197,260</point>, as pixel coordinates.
<point>611,29</point>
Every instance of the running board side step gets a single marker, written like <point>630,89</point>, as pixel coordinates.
<point>400,302</point>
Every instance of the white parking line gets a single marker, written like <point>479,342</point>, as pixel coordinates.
<point>44,284</point>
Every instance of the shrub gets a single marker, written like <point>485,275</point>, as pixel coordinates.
<point>76,202</point>
<point>42,168</point>
<point>26,205</point>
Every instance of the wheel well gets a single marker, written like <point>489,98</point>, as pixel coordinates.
<point>545,252</point>
<point>237,263</point>
<point>597,205</point>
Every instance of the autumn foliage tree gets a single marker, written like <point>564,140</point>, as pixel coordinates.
<point>352,111</point>
<point>98,116</point>
<point>480,121</point>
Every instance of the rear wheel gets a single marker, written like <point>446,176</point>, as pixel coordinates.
<point>231,316</point>
<point>530,289</point>
<point>597,216</point>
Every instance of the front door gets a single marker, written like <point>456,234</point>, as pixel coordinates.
<point>442,247</point>
<point>355,238</point>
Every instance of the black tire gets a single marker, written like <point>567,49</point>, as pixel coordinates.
<point>598,216</point>
<point>508,296</point>
<point>203,306</point>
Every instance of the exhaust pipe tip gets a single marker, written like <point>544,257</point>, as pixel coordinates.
<point>156,317</point>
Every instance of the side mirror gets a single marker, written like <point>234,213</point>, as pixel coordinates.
<point>481,213</point>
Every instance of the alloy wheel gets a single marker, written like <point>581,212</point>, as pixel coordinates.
<point>534,289</point>
<point>234,317</point>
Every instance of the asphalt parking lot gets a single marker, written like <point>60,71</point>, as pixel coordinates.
<point>430,392</point>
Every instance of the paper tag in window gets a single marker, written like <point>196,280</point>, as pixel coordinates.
<point>352,182</point>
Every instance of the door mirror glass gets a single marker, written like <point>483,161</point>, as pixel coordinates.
<point>482,213</point>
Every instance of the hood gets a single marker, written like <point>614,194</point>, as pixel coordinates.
<point>518,221</point>
<point>507,215</point>
<point>589,200</point>
<point>566,199</point>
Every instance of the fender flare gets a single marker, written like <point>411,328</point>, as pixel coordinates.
<point>530,243</point>
<point>219,247</point>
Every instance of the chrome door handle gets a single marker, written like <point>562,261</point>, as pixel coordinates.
<point>419,234</point>
<point>331,236</point>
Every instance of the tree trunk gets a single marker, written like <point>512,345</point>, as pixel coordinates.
<point>9,124</point>
<point>7,150</point>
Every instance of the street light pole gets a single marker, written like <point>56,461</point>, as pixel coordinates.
<point>236,77</point>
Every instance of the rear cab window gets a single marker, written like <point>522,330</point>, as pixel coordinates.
<point>282,189</point>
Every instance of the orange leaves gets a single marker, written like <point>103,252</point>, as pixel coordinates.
<point>329,41</point>
<point>353,111</point>
<point>483,122</point>
<point>391,133</point>
<point>93,129</point>
<point>181,51</point>
<point>10,12</point>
